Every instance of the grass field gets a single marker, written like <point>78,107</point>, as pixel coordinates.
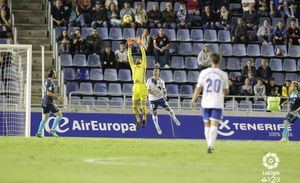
<point>88,160</point>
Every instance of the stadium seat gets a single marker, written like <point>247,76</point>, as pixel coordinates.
<point>116,102</point>
<point>103,32</point>
<point>294,51</point>
<point>94,60</point>
<point>180,76</point>
<point>154,32</point>
<point>65,60</point>
<point>291,76</point>
<point>100,88</point>
<point>224,36</point>
<point>114,89</point>
<point>233,64</point>
<point>58,31</point>
<point>210,35</point>
<point>223,64</point>
<point>85,32</point>
<point>69,74</point>
<point>282,49</point>
<point>183,35</point>
<point>128,33</point>
<point>173,102</point>
<point>260,105</point>
<point>245,105</point>
<point>231,105</point>
<point>1,87</point>
<point>214,47</point>
<point>185,49</point>
<point>289,65</point>
<point>102,101</point>
<point>275,64</point>
<point>71,30</point>
<point>196,35</point>
<point>235,6</point>
<point>162,5</point>
<point>82,74</point>
<point>176,6</point>
<point>124,75</point>
<point>193,76</point>
<point>115,33</point>
<point>226,49</point>
<point>298,65</point>
<point>177,62</point>
<point>3,41</point>
<point>88,101</point>
<point>197,47</point>
<point>172,90</point>
<point>110,75</point>
<point>166,75</point>
<point>170,33</point>
<point>86,88</point>
<point>244,62</point>
<point>267,50</point>
<point>150,4</point>
<point>257,62</point>
<point>234,74</point>
<point>79,60</point>
<point>275,21</point>
<point>139,32</point>
<point>150,62</point>
<point>96,74</point>
<point>186,91</point>
<point>191,63</point>
<point>128,102</point>
<point>253,50</point>
<point>239,50</point>
<point>278,78</point>
<point>115,45</point>
<point>71,87</point>
<point>127,88</point>
<point>75,100</point>
<point>149,74</point>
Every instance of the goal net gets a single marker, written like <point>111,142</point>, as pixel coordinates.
<point>15,90</point>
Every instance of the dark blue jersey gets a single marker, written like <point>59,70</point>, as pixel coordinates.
<point>296,104</point>
<point>293,97</point>
<point>48,86</point>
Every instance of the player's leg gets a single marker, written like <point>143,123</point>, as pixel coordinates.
<point>216,115</point>
<point>135,105</point>
<point>290,118</point>
<point>42,123</point>
<point>171,112</point>
<point>155,119</point>
<point>58,117</point>
<point>143,98</point>
<point>205,116</point>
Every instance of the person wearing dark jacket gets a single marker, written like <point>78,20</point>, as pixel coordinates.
<point>99,16</point>
<point>108,58</point>
<point>208,18</point>
<point>64,41</point>
<point>248,68</point>
<point>239,32</point>
<point>94,43</point>
<point>169,17</point>
<point>155,17</point>
<point>76,41</point>
<point>251,19</point>
<point>264,71</point>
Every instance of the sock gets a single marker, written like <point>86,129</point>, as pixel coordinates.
<point>41,127</point>
<point>155,119</point>
<point>213,133</point>
<point>56,122</point>
<point>206,134</point>
<point>144,111</point>
<point>172,114</point>
<point>285,133</point>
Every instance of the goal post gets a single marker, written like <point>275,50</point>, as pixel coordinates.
<point>15,90</point>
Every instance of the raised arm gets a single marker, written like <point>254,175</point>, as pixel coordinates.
<point>143,52</point>
<point>130,58</point>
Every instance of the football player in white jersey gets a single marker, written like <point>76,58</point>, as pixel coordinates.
<point>213,82</point>
<point>157,96</point>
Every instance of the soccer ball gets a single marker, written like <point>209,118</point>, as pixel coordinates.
<point>127,19</point>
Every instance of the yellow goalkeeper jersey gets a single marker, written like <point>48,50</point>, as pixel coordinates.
<point>138,71</point>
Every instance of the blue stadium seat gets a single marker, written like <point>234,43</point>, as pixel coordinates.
<point>88,101</point>
<point>173,102</point>
<point>149,5</point>
<point>58,31</point>
<point>172,90</point>
<point>185,49</point>
<point>65,59</point>
<point>86,31</point>
<point>235,6</point>
<point>170,33</point>
<point>275,64</point>
<point>210,35</point>
<point>183,35</point>
<point>127,88</point>
<point>275,21</point>
<point>154,32</point>
<point>267,50</point>
<point>177,62</point>
<point>149,74</point>
<point>1,86</point>
<point>124,75</point>
<point>257,62</point>
<point>114,89</point>
<point>128,33</point>
<point>291,76</point>
<point>253,50</point>
<point>71,30</point>
<point>69,74</point>
<point>223,64</point>
<point>82,74</point>
<point>101,88</point>
<point>197,47</point>
<point>196,35</point>
<point>244,62</point>
<point>75,100</point>
<point>239,50</point>
<point>162,5</point>
<point>289,65</point>
<point>193,76</point>
<point>79,60</point>
<point>96,74</point>
<point>116,102</point>
<point>180,76</point>
<point>86,88</point>
<point>115,45</point>
<point>94,60</point>
<point>166,75</point>
<point>150,62</point>
<point>233,64</point>
<point>226,49</point>
<point>110,75</point>
<point>191,63</point>
<point>186,91</point>
<point>294,51</point>
<point>71,87</point>
<point>176,6</point>
<point>234,74</point>
<point>231,105</point>
<point>102,101</point>
<point>278,78</point>
<point>139,32</point>
<point>115,33</point>
<point>3,41</point>
<point>103,32</point>
<point>214,47</point>
<point>298,65</point>
<point>245,105</point>
<point>282,49</point>
<point>224,36</point>
<point>260,105</point>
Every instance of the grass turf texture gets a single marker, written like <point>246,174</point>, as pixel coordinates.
<point>90,160</point>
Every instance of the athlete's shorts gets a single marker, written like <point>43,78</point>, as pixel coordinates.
<point>50,107</point>
<point>160,102</point>
<point>291,118</point>
<point>212,114</point>
<point>139,92</point>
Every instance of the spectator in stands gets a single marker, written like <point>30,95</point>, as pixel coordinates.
<point>3,6</point>
<point>263,8</point>
<point>246,4</point>
<point>76,41</point>
<point>273,89</point>
<point>147,41</point>
<point>108,58</point>
<point>161,45</point>
<point>85,7</point>
<point>264,33</point>
<point>277,8</point>
<point>122,57</point>
<point>279,34</point>
<point>169,17</point>
<point>59,14</point>
<point>264,71</point>
<point>64,42</point>
<point>94,43</point>
<point>5,25</point>
<point>141,17</point>
<point>248,68</point>
<point>76,17</point>
<point>247,89</point>
<point>108,3</point>
<point>290,7</point>
<point>155,17</point>
<point>203,57</point>
<point>222,18</point>
<point>285,88</point>
<point>113,15</point>
<point>293,33</point>
<point>193,7</point>
<point>251,78</point>
<point>183,17</point>
<point>233,88</point>
<point>208,18</point>
<point>99,16</point>
<point>259,90</point>
<point>250,18</point>
<point>127,11</point>
<point>239,32</point>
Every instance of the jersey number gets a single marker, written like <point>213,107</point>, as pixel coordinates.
<point>213,85</point>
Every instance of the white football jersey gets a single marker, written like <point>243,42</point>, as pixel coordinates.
<point>213,82</point>
<point>156,88</point>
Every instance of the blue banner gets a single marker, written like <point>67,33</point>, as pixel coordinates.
<point>123,126</point>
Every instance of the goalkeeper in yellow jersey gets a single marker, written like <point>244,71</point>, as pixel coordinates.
<point>139,90</point>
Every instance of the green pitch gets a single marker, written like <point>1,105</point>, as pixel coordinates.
<point>88,160</point>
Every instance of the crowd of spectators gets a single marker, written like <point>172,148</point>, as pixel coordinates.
<point>5,20</point>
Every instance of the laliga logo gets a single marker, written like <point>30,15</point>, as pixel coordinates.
<point>224,124</point>
<point>270,161</point>
<point>64,121</point>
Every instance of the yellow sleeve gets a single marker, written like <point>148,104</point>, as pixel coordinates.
<point>144,59</point>
<point>130,58</point>
<point>284,92</point>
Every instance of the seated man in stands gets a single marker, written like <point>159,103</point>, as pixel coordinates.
<point>155,17</point>
<point>239,32</point>
<point>94,43</point>
<point>99,16</point>
<point>264,71</point>
<point>108,58</point>
<point>260,90</point>
<point>76,41</point>
<point>122,57</point>
<point>59,14</point>
<point>203,57</point>
<point>161,45</point>
<point>293,33</point>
